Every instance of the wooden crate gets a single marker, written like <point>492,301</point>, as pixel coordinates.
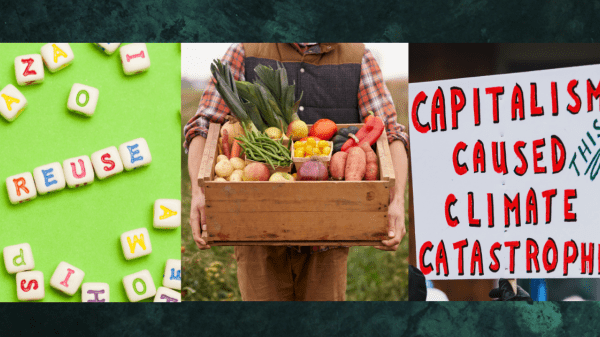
<point>304,213</point>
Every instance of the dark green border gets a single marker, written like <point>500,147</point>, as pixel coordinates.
<point>291,319</point>
<point>294,20</point>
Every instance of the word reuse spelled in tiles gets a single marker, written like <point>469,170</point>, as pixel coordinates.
<point>135,153</point>
<point>30,286</point>
<point>21,187</point>
<point>172,275</point>
<point>78,171</point>
<point>108,47</point>
<point>12,102</point>
<point>49,178</point>
<point>134,58</point>
<point>67,278</point>
<point>139,286</point>
<point>29,69</point>
<point>57,56</point>
<point>107,162</point>
<point>136,243</point>
<point>167,295</point>
<point>167,213</point>
<point>18,258</point>
<point>83,99</point>
<point>95,292</point>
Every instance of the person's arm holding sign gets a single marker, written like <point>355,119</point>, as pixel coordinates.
<point>374,96</point>
<point>211,108</point>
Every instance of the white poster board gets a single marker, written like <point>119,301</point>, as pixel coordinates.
<point>505,175</point>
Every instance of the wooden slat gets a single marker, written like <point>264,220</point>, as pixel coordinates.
<point>297,243</point>
<point>301,196</point>
<point>387,159</point>
<point>297,226</point>
<point>209,155</point>
<point>380,157</point>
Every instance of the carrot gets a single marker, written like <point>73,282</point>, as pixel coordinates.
<point>236,149</point>
<point>226,149</point>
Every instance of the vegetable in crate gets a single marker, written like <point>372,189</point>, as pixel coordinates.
<point>259,147</point>
<point>372,168</point>
<point>281,176</point>
<point>342,137</point>
<point>246,113</point>
<point>337,166</point>
<point>356,164</point>
<point>233,128</point>
<point>256,172</point>
<point>370,132</point>
<point>275,99</point>
<point>314,170</point>
<point>323,129</point>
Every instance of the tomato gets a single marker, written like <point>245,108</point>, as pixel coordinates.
<point>324,129</point>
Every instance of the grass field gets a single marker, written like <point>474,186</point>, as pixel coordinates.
<point>373,275</point>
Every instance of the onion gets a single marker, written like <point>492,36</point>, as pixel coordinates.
<point>313,170</point>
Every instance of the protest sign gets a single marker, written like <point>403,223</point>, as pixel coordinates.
<point>505,175</point>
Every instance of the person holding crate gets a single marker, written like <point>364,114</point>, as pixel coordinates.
<point>341,82</point>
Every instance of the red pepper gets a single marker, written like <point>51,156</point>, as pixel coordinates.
<point>370,132</point>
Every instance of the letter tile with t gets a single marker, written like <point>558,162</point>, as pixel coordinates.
<point>136,243</point>
<point>12,102</point>
<point>30,286</point>
<point>108,47</point>
<point>167,213</point>
<point>18,258</point>
<point>134,58</point>
<point>83,99</point>
<point>164,294</point>
<point>107,162</point>
<point>49,178</point>
<point>21,187</point>
<point>29,69</point>
<point>78,171</point>
<point>67,278</point>
<point>95,292</point>
<point>57,56</point>
<point>135,153</point>
<point>139,286</point>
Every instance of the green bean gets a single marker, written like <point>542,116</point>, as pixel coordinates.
<point>259,150</point>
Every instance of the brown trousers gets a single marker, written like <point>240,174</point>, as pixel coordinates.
<point>273,273</point>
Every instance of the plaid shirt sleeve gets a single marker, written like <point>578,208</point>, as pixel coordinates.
<point>212,108</point>
<point>373,95</point>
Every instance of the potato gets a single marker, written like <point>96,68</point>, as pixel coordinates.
<point>223,169</point>
<point>221,157</point>
<point>236,175</point>
<point>237,163</point>
<point>337,166</point>
<point>220,179</point>
<point>356,164</point>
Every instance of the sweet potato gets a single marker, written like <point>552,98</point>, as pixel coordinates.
<point>372,165</point>
<point>337,166</point>
<point>356,164</point>
<point>372,171</point>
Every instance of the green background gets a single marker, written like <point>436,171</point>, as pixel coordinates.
<point>82,226</point>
